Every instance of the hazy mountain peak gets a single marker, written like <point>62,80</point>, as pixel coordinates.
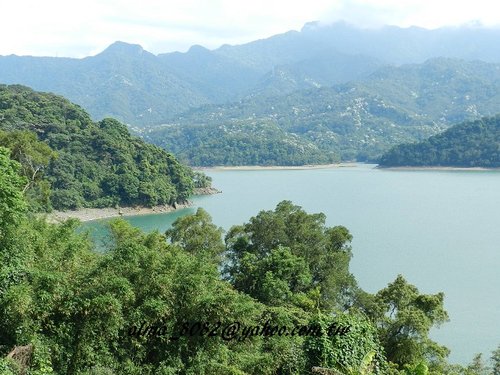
<point>196,48</point>
<point>311,26</point>
<point>119,47</point>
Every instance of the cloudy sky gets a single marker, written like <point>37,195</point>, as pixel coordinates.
<point>82,28</point>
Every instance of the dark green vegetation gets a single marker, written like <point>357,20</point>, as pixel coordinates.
<point>358,120</point>
<point>471,144</point>
<point>69,161</point>
<point>66,309</point>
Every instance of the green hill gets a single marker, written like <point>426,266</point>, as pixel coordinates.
<point>95,164</point>
<point>470,144</point>
<point>358,120</point>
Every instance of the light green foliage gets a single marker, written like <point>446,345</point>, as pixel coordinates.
<point>34,157</point>
<point>8,367</point>
<point>32,154</point>
<point>364,368</point>
<point>404,318</point>
<point>418,369</point>
<point>11,199</point>
<point>356,352</point>
<point>312,256</point>
<point>197,235</point>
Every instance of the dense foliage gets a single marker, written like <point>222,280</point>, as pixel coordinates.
<point>357,120</point>
<point>471,144</point>
<point>239,143</point>
<point>72,162</point>
<point>67,309</point>
<point>287,256</point>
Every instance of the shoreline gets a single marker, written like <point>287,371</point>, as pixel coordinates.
<point>274,167</point>
<point>91,214</point>
<point>436,168</point>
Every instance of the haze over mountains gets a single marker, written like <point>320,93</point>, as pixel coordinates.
<point>135,86</point>
<point>300,97</point>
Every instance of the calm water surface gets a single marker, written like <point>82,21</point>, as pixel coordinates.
<point>440,229</point>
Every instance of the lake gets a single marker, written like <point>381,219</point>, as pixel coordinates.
<point>439,229</point>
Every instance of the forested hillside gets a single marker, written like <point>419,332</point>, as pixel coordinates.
<point>284,303</point>
<point>471,144</point>
<point>358,120</point>
<point>70,161</point>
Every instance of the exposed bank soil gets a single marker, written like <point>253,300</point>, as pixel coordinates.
<point>88,214</point>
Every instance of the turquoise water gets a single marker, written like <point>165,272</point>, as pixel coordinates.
<point>440,229</point>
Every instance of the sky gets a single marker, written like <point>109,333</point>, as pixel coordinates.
<point>76,28</point>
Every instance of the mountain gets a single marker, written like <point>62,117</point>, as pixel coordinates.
<point>470,144</point>
<point>397,45</point>
<point>324,69</point>
<point>95,164</point>
<point>358,120</point>
<point>142,89</point>
<point>216,77</point>
<point>124,82</point>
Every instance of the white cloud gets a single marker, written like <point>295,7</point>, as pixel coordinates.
<point>424,13</point>
<point>79,28</point>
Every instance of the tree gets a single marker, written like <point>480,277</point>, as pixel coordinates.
<point>357,352</point>
<point>33,155</point>
<point>419,368</point>
<point>495,359</point>
<point>477,367</point>
<point>278,279</point>
<point>98,164</point>
<point>404,318</point>
<point>325,251</point>
<point>197,235</point>
<point>12,203</point>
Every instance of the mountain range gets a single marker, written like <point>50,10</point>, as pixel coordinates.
<point>324,93</point>
<point>140,88</point>
<point>356,121</point>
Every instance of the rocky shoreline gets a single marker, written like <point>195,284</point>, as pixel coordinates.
<point>89,214</point>
<point>275,167</point>
<point>206,191</point>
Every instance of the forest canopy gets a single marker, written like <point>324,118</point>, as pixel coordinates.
<point>68,309</point>
<point>470,144</point>
<point>72,162</point>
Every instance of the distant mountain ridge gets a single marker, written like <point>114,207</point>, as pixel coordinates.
<point>357,120</point>
<point>140,88</point>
